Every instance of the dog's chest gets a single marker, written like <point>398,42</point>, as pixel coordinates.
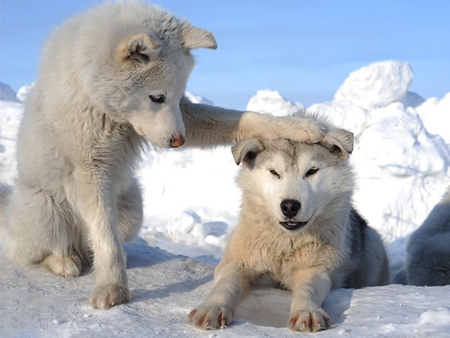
<point>281,265</point>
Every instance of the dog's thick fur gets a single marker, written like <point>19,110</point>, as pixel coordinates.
<point>111,80</point>
<point>428,250</point>
<point>297,227</point>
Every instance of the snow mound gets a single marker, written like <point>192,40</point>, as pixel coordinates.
<point>197,98</point>
<point>377,84</point>
<point>435,115</point>
<point>412,99</point>
<point>10,115</point>
<point>24,91</point>
<point>344,114</point>
<point>271,102</point>
<point>6,93</point>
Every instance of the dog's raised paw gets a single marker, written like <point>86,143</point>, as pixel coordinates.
<point>313,321</point>
<point>104,297</point>
<point>313,132</point>
<point>210,317</point>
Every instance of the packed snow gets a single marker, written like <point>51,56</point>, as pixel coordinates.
<point>402,162</point>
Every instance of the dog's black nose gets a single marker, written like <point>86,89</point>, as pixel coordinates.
<point>290,208</point>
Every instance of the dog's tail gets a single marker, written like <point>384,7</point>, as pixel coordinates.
<point>5,192</point>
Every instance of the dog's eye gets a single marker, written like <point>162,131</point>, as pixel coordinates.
<point>274,173</point>
<point>311,171</point>
<point>157,98</point>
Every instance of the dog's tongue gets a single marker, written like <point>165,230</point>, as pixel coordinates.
<point>292,224</point>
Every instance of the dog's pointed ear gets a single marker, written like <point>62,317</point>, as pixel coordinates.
<point>194,38</point>
<point>140,48</point>
<point>246,150</point>
<point>339,142</point>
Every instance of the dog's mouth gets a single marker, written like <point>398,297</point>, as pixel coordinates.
<point>291,225</point>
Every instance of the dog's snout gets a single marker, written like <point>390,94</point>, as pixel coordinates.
<point>177,141</point>
<point>290,208</point>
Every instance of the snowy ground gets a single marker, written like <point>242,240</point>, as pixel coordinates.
<point>402,160</point>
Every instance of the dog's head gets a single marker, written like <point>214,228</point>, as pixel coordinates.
<point>293,182</point>
<point>142,74</point>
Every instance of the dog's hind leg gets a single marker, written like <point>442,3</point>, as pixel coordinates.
<point>66,266</point>
<point>41,230</point>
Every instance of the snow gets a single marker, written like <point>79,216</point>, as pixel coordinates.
<point>23,92</point>
<point>402,162</point>
<point>272,102</point>
<point>377,84</point>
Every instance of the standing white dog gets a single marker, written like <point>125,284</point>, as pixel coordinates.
<point>298,229</point>
<point>111,79</point>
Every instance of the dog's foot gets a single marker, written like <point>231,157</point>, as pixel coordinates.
<point>104,297</point>
<point>304,320</point>
<point>68,266</point>
<point>210,317</point>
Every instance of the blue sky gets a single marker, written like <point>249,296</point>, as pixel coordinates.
<point>305,49</point>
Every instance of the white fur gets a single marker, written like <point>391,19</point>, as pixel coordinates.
<point>111,80</point>
<point>327,252</point>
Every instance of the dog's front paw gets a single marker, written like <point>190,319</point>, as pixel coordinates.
<point>104,297</point>
<point>304,320</point>
<point>209,317</point>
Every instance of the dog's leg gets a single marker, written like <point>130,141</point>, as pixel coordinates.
<point>66,266</point>
<point>217,310</point>
<point>98,207</point>
<point>41,230</point>
<point>310,290</point>
<point>130,212</point>
<point>209,125</point>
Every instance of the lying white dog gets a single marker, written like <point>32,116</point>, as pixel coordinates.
<point>297,228</point>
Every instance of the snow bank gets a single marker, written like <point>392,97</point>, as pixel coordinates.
<point>23,92</point>
<point>376,85</point>
<point>271,102</point>
<point>197,98</point>
<point>10,115</point>
<point>435,115</point>
<point>401,165</point>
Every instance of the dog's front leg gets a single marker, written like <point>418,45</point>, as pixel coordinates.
<point>218,308</point>
<point>96,204</point>
<point>210,125</point>
<point>311,287</point>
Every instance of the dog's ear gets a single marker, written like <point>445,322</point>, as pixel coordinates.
<point>140,48</point>
<point>194,38</point>
<point>339,142</point>
<point>246,150</point>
